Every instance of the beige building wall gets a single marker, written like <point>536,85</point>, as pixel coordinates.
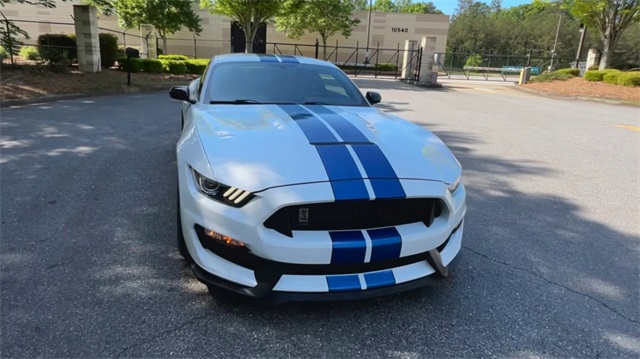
<point>388,31</point>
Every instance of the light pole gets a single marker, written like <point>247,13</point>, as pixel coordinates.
<point>583,32</point>
<point>366,54</point>
<point>555,43</point>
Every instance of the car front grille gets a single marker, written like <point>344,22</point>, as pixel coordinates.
<point>354,214</point>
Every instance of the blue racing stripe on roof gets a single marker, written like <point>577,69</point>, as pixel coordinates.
<point>341,166</point>
<point>347,247</point>
<point>386,243</point>
<point>383,178</point>
<point>268,58</point>
<point>379,279</point>
<point>345,129</point>
<point>314,129</point>
<point>289,59</point>
<point>337,283</point>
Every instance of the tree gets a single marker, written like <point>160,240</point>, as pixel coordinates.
<point>463,5</point>
<point>167,16</point>
<point>410,7</point>
<point>385,6</point>
<point>610,18</point>
<point>249,14</point>
<point>326,17</point>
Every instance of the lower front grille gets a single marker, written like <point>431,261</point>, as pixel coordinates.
<point>355,214</point>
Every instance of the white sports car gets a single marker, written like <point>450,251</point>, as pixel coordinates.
<point>291,186</point>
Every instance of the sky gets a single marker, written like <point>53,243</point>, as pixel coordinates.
<point>449,6</point>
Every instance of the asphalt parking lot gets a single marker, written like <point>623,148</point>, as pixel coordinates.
<point>549,266</point>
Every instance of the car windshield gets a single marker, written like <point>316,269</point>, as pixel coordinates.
<point>275,82</point>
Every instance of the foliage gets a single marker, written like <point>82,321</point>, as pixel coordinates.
<point>594,67</point>
<point>473,60</point>
<point>3,53</point>
<point>552,76</point>
<point>167,16</point>
<point>572,72</point>
<point>133,64</point>
<point>9,39</point>
<point>326,17</point>
<point>57,48</point>
<point>610,18</point>
<point>152,66</point>
<point>403,6</point>
<point>377,67</point>
<point>598,75</point>
<point>631,79</point>
<point>174,67</point>
<point>29,53</point>
<point>611,77</point>
<point>249,14</point>
<point>173,57</point>
<point>196,66</point>
<point>108,49</point>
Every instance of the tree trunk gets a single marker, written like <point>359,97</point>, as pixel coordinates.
<point>324,47</point>
<point>249,35</point>
<point>607,46</point>
<point>164,43</point>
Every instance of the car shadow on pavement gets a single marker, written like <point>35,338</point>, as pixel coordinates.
<point>88,260</point>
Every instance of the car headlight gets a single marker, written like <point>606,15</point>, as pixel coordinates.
<point>217,191</point>
<point>454,186</point>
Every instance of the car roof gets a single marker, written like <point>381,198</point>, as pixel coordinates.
<point>243,57</point>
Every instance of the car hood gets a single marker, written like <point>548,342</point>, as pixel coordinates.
<point>254,147</point>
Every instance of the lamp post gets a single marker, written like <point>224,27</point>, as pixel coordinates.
<point>555,43</point>
<point>583,32</point>
<point>366,54</point>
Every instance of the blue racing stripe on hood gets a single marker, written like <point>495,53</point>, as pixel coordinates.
<point>288,58</point>
<point>345,129</point>
<point>383,178</point>
<point>268,58</point>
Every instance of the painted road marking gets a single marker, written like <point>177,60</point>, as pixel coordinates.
<point>627,127</point>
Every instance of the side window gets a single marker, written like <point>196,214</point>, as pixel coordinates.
<point>331,84</point>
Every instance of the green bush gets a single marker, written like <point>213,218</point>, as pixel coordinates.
<point>108,49</point>
<point>473,60</point>
<point>593,68</point>
<point>174,67</point>
<point>152,66</point>
<point>611,77</point>
<point>594,75</point>
<point>631,79</point>
<point>196,66</point>
<point>173,57</point>
<point>572,72</point>
<point>3,53</point>
<point>552,76</point>
<point>133,64</point>
<point>57,48</point>
<point>29,53</point>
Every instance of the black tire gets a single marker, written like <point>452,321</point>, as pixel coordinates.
<point>182,246</point>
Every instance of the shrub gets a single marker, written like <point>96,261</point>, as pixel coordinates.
<point>552,76</point>
<point>196,66</point>
<point>473,60</point>
<point>57,48</point>
<point>611,77</point>
<point>3,53</point>
<point>631,79</point>
<point>133,64</point>
<point>173,57</point>
<point>29,53</point>
<point>593,68</point>
<point>152,66</point>
<point>108,49</point>
<point>572,72</point>
<point>174,67</point>
<point>594,75</point>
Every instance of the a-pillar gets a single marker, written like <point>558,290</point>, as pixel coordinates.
<point>87,40</point>
<point>427,76</point>
<point>149,42</point>
<point>407,63</point>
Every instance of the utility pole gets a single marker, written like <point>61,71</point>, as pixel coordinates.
<point>366,54</point>
<point>555,43</point>
<point>583,31</point>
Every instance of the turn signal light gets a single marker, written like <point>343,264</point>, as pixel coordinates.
<point>222,238</point>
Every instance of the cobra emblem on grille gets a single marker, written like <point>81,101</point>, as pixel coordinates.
<point>303,216</point>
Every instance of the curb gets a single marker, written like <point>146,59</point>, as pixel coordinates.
<point>578,98</point>
<point>71,96</point>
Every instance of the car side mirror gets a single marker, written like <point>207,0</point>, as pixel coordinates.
<point>180,93</point>
<point>373,97</point>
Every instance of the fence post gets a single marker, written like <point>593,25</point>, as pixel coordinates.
<point>355,71</point>
<point>317,45</point>
<point>336,62</point>
<point>375,69</point>
<point>490,56</point>
<point>195,47</point>
<point>124,38</point>
<point>397,61</point>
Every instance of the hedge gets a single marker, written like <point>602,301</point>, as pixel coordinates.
<point>611,77</point>
<point>135,64</point>
<point>631,79</point>
<point>174,67</point>
<point>108,49</point>
<point>572,72</point>
<point>152,66</point>
<point>378,67</point>
<point>552,76</point>
<point>3,53</point>
<point>173,57</point>
<point>196,66</point>
<point>57,48</point>
<point>598,75</point>
<point>29,53</point>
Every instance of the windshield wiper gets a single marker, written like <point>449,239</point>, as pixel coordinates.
<point>235,102</point>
